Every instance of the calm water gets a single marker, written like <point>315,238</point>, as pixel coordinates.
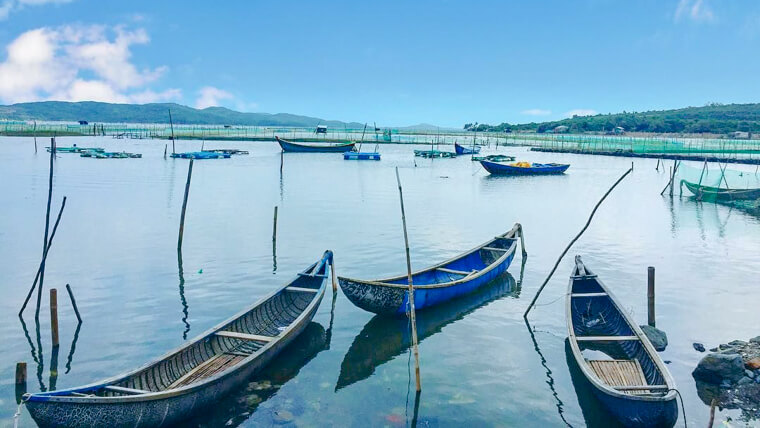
<point>480,364</point>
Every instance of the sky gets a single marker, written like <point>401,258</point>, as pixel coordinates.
<point>394,62</point>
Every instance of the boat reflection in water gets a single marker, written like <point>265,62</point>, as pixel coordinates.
<point>594,413</point>
<point>384,338</point>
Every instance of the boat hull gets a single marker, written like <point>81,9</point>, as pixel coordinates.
<point>632,413</point>
<point>461,150</point>
<point>361,156</point>
<point>433,286</point>
<point>718,194</point>
<point>504,169</point>
<point>287,146</point>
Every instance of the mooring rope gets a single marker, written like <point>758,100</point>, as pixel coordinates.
<point>683,409</point>
<point>408,362</point>
<point>18,414</point>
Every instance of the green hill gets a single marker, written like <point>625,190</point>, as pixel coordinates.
<point>154,113</point>
<point>713,118</point>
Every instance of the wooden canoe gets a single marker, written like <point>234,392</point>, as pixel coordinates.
<point>437,284</point>
<point>708,193</point>
<point>498,168</point>
<point>289,146</point>
<point>462,150</point>
<point>196,375</point>
<point>630,381</point>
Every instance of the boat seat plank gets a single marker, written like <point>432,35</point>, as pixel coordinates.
<point>301,289</point>
<point>206,369</point>
<point>623,375</point>
<point>589,294</point>
<point>244,336</point>
<point>455,272</point>
<point>605,338</point>
<point>123,390</point>
<point>494,249</point>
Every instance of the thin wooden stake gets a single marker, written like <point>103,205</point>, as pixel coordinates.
<point>21,373</point>
<point>332,272</point>
<point>713,402</point>
<point>650,296</point>
<point>411,289</point>
<point>35,136</point>
<point>54,316</point>
<point>184,205</point>
<point>44,257</point>
<point>74,303</point>
<point>588,222</point>
<point>171,123</point>
<point>274,225</point>
<point>165,147</point>
<point>47,228</point>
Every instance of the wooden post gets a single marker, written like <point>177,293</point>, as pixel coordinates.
<point>165,147</point>
<point>650,296</point>
<point>274,225</point>
<point>47,228</point>
<point>184,205</point>
<point>54,316</point>
<point>673,177</point>
<point>332,272</point>
<point>411,290</point>
<point>74,303</point>
<point>21,373</point>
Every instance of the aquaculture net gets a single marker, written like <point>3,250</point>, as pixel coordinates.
<point>712,175</point>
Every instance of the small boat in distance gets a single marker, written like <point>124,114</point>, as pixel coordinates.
<point>201,155</point>
<point>630,380</point>
<point>461,150</point>
<point>494,158</point>
<point>361,156</point>
<point>524,168</point>
<point>707,193</point>
<point>289,146</point>
<point>227,151</point>
<point>437,284</point>
<point>109,155</point>
<point>197,374</point>
<point>434,154</point>
<point>75,149</point>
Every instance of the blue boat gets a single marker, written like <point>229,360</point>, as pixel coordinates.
<point>498,168</point>
<point>625,372</point>
<point>196,375</point>
<point>440,283</point>
<point>200,155</point>
<point>288,146</point>
<point>461,150</point>
<point>361,156</point>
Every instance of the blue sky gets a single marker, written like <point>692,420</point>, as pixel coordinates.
<point>393,62</point>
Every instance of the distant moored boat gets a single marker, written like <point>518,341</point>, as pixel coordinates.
<point>461,150</point>
<point>288,146</point>
<point>524,168</point>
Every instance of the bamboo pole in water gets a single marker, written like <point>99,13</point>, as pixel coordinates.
<point>411,289</point>
<point>74,303</point>
<point>47,228</point>
<point>184,205</point>
<point>54,316</point>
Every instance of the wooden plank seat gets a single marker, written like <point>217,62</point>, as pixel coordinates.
<point>456,272</point>
<point>207,368</point>
<point>623,375</point>
<point>244,336</point>
<point>589,294</point>
<point>605,338</point>
<point>126,391</point>
<point>301,289</point>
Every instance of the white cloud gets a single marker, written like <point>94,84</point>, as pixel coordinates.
<point>695,10</point>
<point>536,112</point>
<point>7,6</point>
<point>210,96</point>
<point>580,112</point>
<point>75,63</point>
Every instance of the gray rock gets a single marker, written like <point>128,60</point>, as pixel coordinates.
<point>744,381</point>
<point>755,340</point>
<point>723,346</point>
<point>713,349</point>
<point>698,346</point>
<point>738,343</point>
<point>750,374</point>
<point>658,337</point>
<point>283,417</point>
<point>729,351</point>
<point>720,368</point>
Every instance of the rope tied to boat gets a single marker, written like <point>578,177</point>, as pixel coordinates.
<point>18,413</point>
<point>683,409</point>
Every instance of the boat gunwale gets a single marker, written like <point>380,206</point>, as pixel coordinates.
<point>717,191</point>
<point>583,364</point>
<point>511,234</point>
<point>59,397</point>
<point>316,145</point>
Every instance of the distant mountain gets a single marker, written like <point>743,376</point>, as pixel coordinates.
<point>155,113</point>
<point>426,127</point>
<point>713,118</point>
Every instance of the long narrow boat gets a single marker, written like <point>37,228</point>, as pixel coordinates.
<point>75,149</point>
<point>462,150</point>
<point>440,283</point>
<point>200,155</point>
<point>289,146</point>
<point>631,381</point>
<point>434,154</point>
<point>498,168</point>
<point>718,194</point>
<point>494,158</point>
<point>196,375</point>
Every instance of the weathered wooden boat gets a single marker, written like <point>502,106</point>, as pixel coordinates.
<point>632,382</point>
<point>434,154</point>
<point>200,155</point>
<point>289,146</point>
<point>494,158</point>
<point>461,150</point>
<point>384,338</point>
<point>361,156</point>
<point>110,155</point>
<point>196,375</point>
<point>498,168</point>
<point>719,194</point>
<point>75,149</point>
<point>445,281</point>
